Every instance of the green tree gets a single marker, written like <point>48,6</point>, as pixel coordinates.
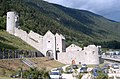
<point>35,73</point>
<point>101,75</point>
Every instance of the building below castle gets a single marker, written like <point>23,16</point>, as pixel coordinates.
<point>53,45</point>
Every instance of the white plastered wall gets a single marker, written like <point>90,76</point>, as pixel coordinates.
<point>73,48</point>
<point>31,38</point>
<point>58,42</point>
<point>10,24</point>
<point>91,55</point>
<point>87,56</point>
<point>49,43</point>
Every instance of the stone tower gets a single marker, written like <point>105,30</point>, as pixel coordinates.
<point>60,43</point>
<point>49,45</point>
<point>91,54</point>
<point>12,22</point>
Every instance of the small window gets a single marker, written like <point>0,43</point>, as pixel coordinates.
<point>57,44</point>
<point>8,17</point>
<point>77,50</point>
<point>85,53</point>
<point>93,52</point>
<point>17,18</point>
<point>48,41</point>
<point>79,62</point>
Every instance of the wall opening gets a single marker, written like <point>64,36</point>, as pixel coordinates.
<point>73,61</point>
<point>49,54</point>
<point>57,51</point>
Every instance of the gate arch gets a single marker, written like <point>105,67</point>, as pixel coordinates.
<point>73,62</point>
<point>49,54</point>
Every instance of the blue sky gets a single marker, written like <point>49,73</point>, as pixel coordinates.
<point>107,8</point>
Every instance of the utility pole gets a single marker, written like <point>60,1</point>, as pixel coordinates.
<point>21,68</point>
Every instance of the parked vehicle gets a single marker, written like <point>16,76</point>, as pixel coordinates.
<point>84,65</point>
<point>15,76</point>
<point>60,69</point>
<point>70,71</point>
<point>55,75</point>
<point>74,66</point>
<point>95,72</point>
<point>115,66</point>
<point>83,70</point>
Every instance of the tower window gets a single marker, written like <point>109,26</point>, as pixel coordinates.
<point>48,41</point>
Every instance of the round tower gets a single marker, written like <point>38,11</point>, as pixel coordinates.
<point>12,22</point>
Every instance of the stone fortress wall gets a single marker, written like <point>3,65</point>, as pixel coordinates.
<point>89,55</point>
<point>53,45</point>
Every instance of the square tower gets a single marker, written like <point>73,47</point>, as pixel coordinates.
<point>60,43</point>
<point>49,45</point>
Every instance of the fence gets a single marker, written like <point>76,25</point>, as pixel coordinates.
<point>10,54</point>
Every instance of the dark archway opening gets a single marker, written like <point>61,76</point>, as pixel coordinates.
<point>56,54</point>
<point>49,54</point>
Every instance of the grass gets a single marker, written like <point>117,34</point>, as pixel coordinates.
<point>9,67</point>
<point>9,41</point>
<point>7,78</point>
<point>44,62</point>
<point>12,66</point>
<point>5,73</point>
<point>40,62</point>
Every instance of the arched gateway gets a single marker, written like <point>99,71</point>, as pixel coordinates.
<point>49,54</point>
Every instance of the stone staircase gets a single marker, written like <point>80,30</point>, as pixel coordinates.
<point>28,63</point>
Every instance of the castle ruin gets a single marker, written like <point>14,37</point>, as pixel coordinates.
<point>53,45</point>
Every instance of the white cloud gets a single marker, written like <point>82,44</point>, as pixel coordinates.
<point>102,7</point>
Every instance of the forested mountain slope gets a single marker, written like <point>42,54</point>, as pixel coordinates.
<point>78,26</point>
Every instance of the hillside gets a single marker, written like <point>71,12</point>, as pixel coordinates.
<point>9,41</point>
<point>13,65</point>
<point>44,62</point>
<point>78,26</point>
<point>40,62</point>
